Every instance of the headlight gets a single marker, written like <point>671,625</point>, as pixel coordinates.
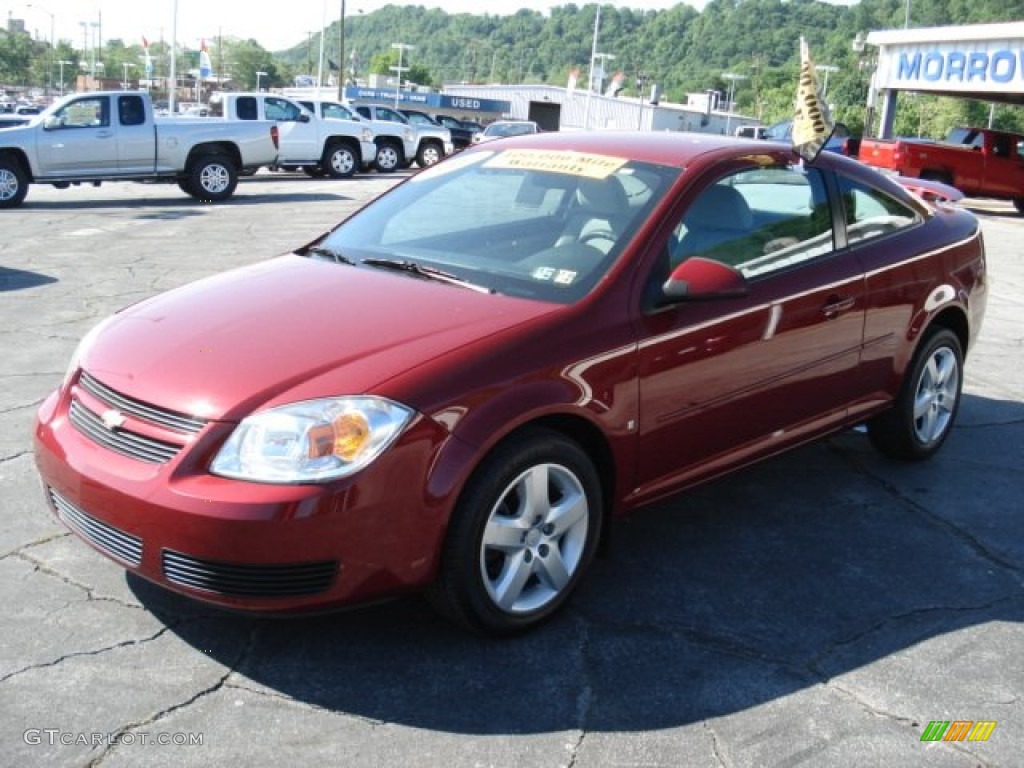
<point>83,347</point>
<point>312,441</point>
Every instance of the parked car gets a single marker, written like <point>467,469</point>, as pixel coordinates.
<point>393,141</point>
<point>114,136</point>
<point>432,142</point>
<point>459,386</point>
<point>461,133</point>
<point>501,129</point>
<point>321,147</point>
<point>752,131</point>
<point>12,120</point>
<point>841,140</point>
<point>978,161</point>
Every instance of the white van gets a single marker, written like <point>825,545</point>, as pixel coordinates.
<point>751,131</point>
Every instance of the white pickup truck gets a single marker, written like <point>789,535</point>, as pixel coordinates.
<point>433,142</point>
<point>396,143</point>
<point>332,147</point>
<point>114,136</point>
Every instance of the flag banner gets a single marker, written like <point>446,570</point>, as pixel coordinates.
<point>812,124</point>
<point>615,86</point>
<point>205,67</point>
<point>147,60</point>
<point>574,76</point>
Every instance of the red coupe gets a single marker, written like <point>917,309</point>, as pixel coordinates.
<point>457,388</point>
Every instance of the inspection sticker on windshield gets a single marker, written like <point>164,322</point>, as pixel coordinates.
<point>569,163</point>
<point>552,275</point>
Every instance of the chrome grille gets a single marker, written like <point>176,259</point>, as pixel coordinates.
<point>115,543</point>
<point>248,580</point>
<point>126,443</point>
<point>179,422</point>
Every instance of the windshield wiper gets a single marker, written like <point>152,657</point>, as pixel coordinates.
<point>431,273</point>
<point>336,256</point>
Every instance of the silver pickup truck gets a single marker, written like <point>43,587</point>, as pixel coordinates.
<point>114,136</point>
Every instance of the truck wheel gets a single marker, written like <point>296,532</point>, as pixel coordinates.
<point>388,158</point>
<point>212,178</point>
<point>940,176</point>
<point>340,162</point>
<point>13,184</point>
<point>1018,203</point>
<point>429,154</point>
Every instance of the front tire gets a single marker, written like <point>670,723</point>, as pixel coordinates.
<point>340,162</point>
<point>523,533</point>
<point>388,158</point>
<point>429,154</point>
<point>212,178</point>
<point>1018,203</point>
<point>13,184</point>
<point>924,412</point>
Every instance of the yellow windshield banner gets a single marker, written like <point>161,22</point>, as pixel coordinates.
<point>570,163</point>
<point>812,125</point>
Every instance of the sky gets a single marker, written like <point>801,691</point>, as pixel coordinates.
<point>272,23</point>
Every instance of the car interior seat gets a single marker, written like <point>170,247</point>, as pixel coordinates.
<point>599,214</point>
<point>718,217</point>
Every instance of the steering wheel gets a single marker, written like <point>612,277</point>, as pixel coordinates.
<point>597,234</point>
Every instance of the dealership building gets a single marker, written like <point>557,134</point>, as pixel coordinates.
<point>983,62</point>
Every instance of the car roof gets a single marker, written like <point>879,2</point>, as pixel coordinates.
<point>672,148</point>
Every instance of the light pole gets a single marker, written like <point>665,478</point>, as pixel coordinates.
<point>63,64</point>
<point>53,44</point>
<point>826,68</point>
<point>341,53</point>
<point>732,77</point>
<point>602,58</point>
<point>402,48</point>
<point>126,65</point>
<point>258,76</point>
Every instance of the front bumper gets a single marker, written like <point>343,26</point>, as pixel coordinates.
<point>243,545</point>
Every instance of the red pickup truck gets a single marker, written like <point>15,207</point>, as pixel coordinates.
<point>977,161</point>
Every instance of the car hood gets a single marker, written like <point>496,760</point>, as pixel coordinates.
<point>257,336</point>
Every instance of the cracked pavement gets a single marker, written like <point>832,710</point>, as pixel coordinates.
<point>815,610</point>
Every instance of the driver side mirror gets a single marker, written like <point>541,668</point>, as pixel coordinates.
<point>698,278</point>
<point>52,122</point>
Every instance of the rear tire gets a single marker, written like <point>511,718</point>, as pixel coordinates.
<point>940,176</point>
<point>924,412</point>
<point>212,178</point>
<point>13,184</point>
<point>1018,203</point>
<point>524,531</point>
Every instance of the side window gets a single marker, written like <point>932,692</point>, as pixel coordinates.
<point>364,111</point>
<point>280,110</point>
<point>131,110</point>
<point>246,109</point>
<point>758,221</point>
<point>86,113</point>
<point>383,113</point>
<point>871,213</point>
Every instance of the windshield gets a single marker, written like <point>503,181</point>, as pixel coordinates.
<point>508,129</point>
<point>527,223</point>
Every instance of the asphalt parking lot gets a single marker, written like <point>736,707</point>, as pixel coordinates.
<point>820,609</point>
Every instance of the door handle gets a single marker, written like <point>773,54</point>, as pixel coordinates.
<point>104,134</point>
<point>836,305</point>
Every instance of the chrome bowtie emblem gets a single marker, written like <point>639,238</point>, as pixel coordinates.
<point>112,419</point>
